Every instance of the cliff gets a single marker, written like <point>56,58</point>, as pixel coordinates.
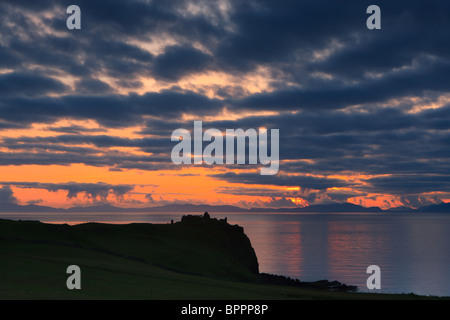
<point>228,240</point>
<point>195,258</point>
<point>196,245</point>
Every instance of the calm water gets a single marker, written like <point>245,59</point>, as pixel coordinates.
<point>412,250</point>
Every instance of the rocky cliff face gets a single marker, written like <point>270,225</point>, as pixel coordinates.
<point>229,240</point>
<point>196,245</point>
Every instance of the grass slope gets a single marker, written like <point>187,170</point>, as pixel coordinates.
<point>139,261</point>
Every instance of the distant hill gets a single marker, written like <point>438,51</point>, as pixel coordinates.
<point>442,207</point>
<point>109,208</point>
<point>195,208</point>
<point>336,207</point>
<point>184,208</point>
<point>401,209</point>
<point>166,208</point>
<point>27,208</point>
<point>99,208</point>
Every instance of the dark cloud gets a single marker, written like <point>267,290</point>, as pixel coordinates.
<point>301,181</point>
<point>35,202</point>
<point>382,140</point>
<point>291,34</point>
<point>400,84</point>
<point>92,86</point>
<point>348,96</point>
<point>29,84</point>
<point>287,37</point>
<point>129,84</point>
<point>258,192</point>
<point>417,200</point>
<point>74,129</point>
<point>33,6</point>
<point>280,203</point>
<point>7,59</point>
<point>7,196</point>
<point>108,110</point>
<point>411,184</point>
<point>178,61</point>
<point>60,155</point>
<point>282,198</point>
<point>101,141</point>
<point>267,32</point>
<point>149,198</point>
<point>93,190</point>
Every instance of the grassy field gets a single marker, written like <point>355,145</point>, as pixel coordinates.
<point>139,261</point>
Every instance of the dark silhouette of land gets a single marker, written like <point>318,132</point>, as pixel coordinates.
<point>198,257</point>
<point>335,207</point>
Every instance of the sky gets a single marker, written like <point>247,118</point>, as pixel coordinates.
<point>86,116</point>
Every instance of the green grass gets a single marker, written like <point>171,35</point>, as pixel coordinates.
<point>137,261</point>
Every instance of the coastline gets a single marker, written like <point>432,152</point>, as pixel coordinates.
<point>195,258</point>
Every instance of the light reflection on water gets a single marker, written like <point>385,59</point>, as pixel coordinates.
<point>412,250</point>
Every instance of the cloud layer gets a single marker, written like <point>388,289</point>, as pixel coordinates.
<point>361,113</point>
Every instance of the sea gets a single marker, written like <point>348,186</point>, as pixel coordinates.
<point>412,250</point>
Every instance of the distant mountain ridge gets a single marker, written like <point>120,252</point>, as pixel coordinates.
<point>165,208</point>
<point>335,207</point>
<point>442,207</point>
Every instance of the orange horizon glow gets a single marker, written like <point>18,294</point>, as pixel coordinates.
<point>190,184</point>
<point>185,184</point>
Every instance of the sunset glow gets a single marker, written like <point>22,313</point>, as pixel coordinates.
<point>86,116</point>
